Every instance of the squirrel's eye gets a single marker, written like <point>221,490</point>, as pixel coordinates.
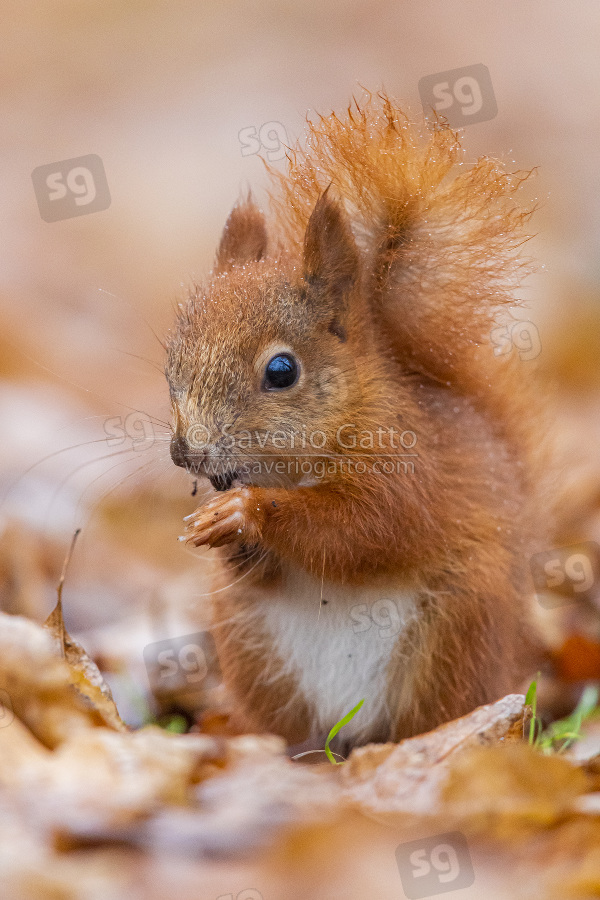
<point>281,372</point>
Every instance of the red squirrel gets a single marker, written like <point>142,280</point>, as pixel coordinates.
<point>374,462</point>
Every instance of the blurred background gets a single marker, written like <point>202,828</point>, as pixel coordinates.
<point>179,101</point>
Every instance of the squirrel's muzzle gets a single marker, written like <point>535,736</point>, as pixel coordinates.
<point>195,462</point>
<point>180,453</point>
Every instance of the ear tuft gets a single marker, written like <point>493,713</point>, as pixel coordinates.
<point>244,237</point>
<point>330,254</point>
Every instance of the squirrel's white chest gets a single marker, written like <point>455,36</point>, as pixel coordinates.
<point>336,641</point>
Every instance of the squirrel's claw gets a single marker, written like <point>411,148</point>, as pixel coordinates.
<point>223,520</point>
<point>215,534</point>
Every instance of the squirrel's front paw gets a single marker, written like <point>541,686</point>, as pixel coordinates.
<point>235,515</point>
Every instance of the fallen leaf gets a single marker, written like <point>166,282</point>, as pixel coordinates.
<point>38,683</point>
<point>510,790</point>
<point>407,776</point>
<point>85,676</point>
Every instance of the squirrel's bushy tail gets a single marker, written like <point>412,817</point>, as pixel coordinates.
<point>442,248</point>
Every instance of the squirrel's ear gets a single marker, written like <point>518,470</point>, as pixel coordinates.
<point>330,254</point>
<point>244,237</point>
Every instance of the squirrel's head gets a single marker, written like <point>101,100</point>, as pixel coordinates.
<point>262,367</point>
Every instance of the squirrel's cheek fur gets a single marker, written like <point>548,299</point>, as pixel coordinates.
<point>386,559</point>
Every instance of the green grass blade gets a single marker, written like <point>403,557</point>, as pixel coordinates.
<point>531,700</point>
<point>335,730</point>
<point>560,735</point>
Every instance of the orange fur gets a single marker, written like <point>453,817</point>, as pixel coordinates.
<point>383,274</point>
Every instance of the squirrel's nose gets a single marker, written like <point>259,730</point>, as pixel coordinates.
<point>178,450</point>
<point>181,454</point>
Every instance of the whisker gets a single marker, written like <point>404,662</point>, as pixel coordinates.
<point>137,311</point>
<point>84,465</point>
<point>152,420</point>
<point>56,453</point>
<point>75,384</point>
<point>322,582</point>
<point>145,359</point>
<point>233,583</point>
<point>121,480</point>
<point>115,487</point>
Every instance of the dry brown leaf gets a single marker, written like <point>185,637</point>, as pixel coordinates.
<point>506,791</point>
<point>39,683</point>
<point>85,676</point>
<point>19,751</point>
<point>537,815</point>
<point>184,794</point>
<point>406,777</point>
<point>102,781</point>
